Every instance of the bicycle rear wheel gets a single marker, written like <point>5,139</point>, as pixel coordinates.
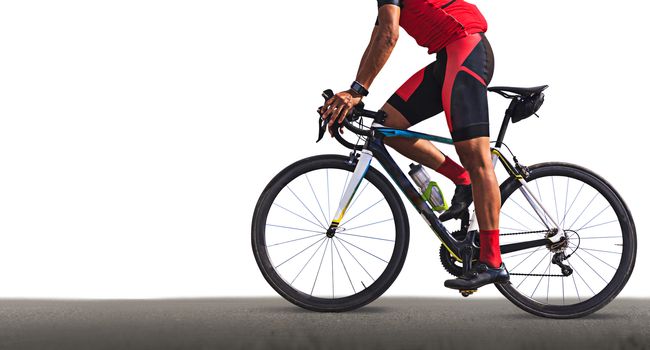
<point>601,244</point>
<point>309,268</point>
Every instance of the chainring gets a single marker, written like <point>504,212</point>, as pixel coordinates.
<point>451,264</point>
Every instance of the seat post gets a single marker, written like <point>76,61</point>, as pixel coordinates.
<point>504,125</point>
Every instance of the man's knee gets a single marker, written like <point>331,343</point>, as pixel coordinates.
<point>475,156</point>
<point>394,118</point>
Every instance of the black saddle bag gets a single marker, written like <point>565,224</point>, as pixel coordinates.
<point>525,106</point>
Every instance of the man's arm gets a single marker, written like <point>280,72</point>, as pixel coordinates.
<point>367,52</point>
<point>383,40</point>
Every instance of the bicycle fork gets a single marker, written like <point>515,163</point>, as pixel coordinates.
<point>359,172</point>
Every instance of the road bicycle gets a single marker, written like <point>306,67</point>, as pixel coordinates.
<point>330,233</point>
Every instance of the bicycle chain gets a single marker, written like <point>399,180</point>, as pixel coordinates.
<point>524,233</point>
<point>530,274</point>
<point>535,275</point>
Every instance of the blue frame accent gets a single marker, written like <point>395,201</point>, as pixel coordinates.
<point>390,132</point>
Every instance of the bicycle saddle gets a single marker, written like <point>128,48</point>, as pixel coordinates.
<point>518,90</point>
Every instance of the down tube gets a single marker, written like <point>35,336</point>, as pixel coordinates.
<point>381,154</point>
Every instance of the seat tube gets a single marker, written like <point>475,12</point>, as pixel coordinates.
<point>359,172</point>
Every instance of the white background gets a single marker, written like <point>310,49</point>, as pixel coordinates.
<point>135,136</point>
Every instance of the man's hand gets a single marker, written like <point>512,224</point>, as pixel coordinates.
<point>339,106</point>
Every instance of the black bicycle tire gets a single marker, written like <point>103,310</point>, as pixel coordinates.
<point>628,258</point>
<point>372,292</point>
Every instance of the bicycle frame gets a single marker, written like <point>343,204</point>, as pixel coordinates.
<point>375,148</point>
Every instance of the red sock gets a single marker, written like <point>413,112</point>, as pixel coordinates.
<point>490,250</point>
<point>454,172</point>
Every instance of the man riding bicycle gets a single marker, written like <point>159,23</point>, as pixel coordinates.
<point>455,83</point>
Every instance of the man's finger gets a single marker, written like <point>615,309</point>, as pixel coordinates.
<point>337,116</point>
<point>333,112</point>
<point>344,113</point>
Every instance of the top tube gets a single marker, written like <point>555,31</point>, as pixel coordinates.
<point>390,132</point>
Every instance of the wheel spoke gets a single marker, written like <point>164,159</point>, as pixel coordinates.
<point>574,283</point>
<point>294,228</point>
<point>362,236</point>
<point>574,200</point>
<point>332,260</point>
<point>557,214</point>
<point>319,266</point>
<point>512,256</point>
<point>329,209</point>
<point>293,240</point>
<point>300,252</point>
<point>344,268</point>
<point>521,262</point>
<point>592,219</point>
<point>600,251</point>
<point>365,210</point>
<point>363,250</point>
<point>355,259</point>
<point>563,303</point>
<point>307,263</point>
<point>515,220</point>
<point>527,212</point>
<point>298,215</point>
<point>589,266</point>
<point>541,278</point>
<point>601,260</point>
<point>583,280</point>
<point>566,199</point>
<point>513,229</point>
<point>548,282</point>
<point>358,196</point>
<point>316,198</point>
<point>583,211</point>
<point>604,223</point>
<point>303,204</point>
<point>533,270</point>
<point>374,223</point>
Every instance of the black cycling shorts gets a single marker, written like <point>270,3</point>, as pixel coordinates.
<point>455,83</point>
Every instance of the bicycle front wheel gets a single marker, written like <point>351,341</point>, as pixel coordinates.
<point>329,273</point>
<point>600,245</point>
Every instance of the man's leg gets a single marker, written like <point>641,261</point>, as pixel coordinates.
<point>422,151</point>
<point>475,156</point>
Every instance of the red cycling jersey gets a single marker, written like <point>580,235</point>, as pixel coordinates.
<point>436,23</point>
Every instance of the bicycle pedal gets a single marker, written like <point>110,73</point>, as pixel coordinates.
<point>467,293</point>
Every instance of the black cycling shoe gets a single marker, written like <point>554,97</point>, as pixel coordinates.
<point>478,276</point>
<point>459,203</point>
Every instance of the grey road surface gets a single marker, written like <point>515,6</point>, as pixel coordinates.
<point>389,323</point>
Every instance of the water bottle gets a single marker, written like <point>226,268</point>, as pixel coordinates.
<point>429,189</point>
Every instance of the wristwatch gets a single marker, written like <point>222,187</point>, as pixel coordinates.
<point>359,89</point>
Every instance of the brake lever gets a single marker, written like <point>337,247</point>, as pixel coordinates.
<point>322,126</point>
<point>322,123</point>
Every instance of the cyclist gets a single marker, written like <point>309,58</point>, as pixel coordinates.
<point>455,83</point>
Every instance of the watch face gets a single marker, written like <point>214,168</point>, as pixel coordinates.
<point>359,89</point>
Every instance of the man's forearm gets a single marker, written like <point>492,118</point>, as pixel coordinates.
<point>366,53</point>
<point>376,55</point>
